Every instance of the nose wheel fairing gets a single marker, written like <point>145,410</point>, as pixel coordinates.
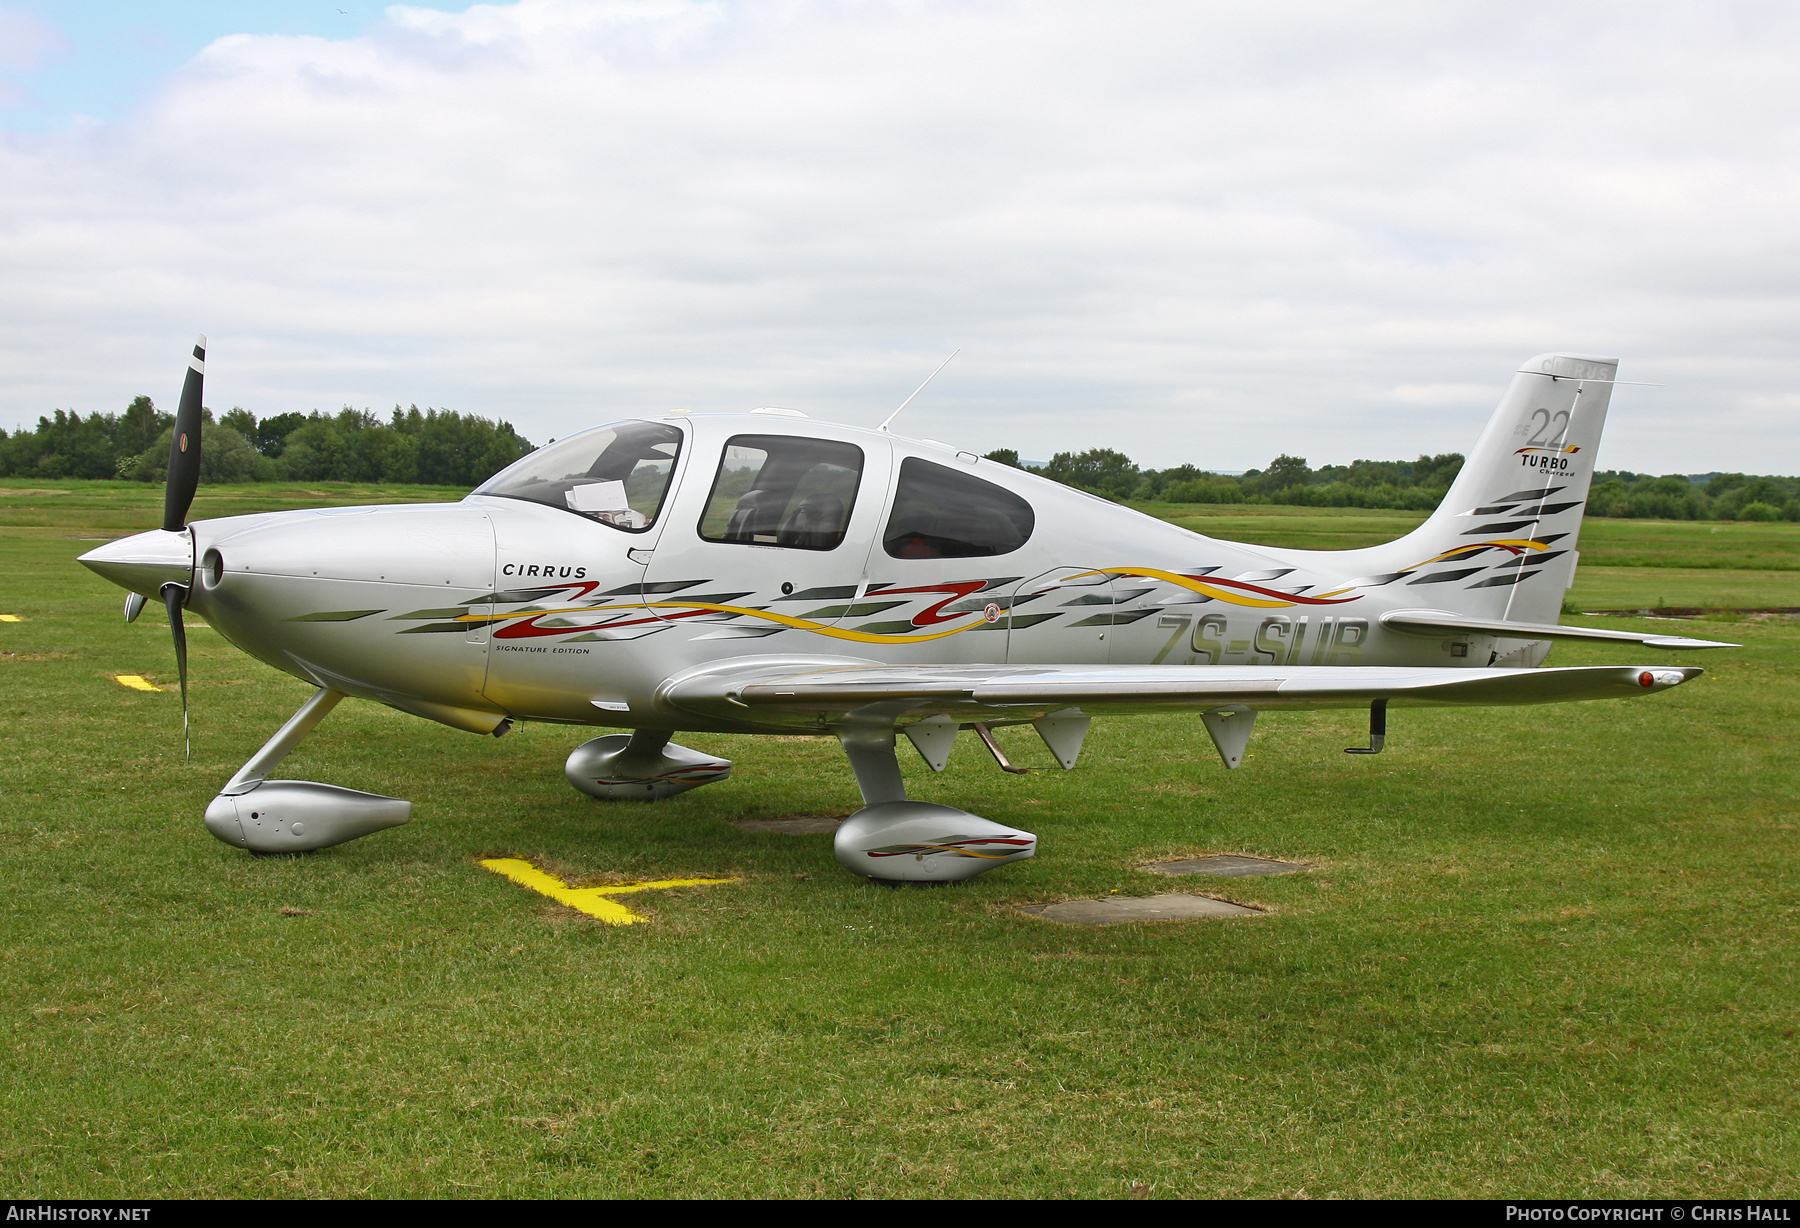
<point>296,816</point>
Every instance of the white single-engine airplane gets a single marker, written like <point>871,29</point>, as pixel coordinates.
<point>765,573</point>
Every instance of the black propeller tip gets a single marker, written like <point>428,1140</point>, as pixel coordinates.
<point>184,448</point>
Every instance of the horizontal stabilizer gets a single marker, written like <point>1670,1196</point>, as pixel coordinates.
<point>788,693</point>
<point>1435,622</point>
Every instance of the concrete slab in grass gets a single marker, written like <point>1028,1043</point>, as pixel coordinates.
<point>806,825</point>
<point>1116,910</point>
<point>1225,865</point>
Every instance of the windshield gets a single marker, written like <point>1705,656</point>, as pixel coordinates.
<point>618,474</point>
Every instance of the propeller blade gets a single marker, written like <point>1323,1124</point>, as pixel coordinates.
<point>184,449</point>
<point>174,597</point>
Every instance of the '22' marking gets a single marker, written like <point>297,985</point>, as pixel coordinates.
<point>1543,438</point>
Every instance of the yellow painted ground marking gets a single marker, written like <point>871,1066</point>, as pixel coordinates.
<point>590,900</point>
<point>10,618</point>
<point>136,682</point>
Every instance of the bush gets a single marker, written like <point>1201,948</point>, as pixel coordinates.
<point>1204,490</point>
<point>436,447</point>
<point>1416,485</point>
<point>225,457</point>
<point>1100,470</point>
<point>66,445</point>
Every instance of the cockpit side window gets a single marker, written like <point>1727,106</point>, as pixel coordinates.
<point>618,475</point>
<point>944,513</point>
<point>783,490</point>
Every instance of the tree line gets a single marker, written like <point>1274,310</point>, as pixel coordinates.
<point>1723,496</point>
<point>440,447</point>
<point>1417,485</point>
<point>434,447</point>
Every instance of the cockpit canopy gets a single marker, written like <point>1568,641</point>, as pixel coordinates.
<point>787,491</point>
<point>618,474</point>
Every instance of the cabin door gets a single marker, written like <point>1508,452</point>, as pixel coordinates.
<point>1061,617</point>
<point>769,536</point>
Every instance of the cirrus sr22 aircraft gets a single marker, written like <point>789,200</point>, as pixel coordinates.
<point>764,573</point>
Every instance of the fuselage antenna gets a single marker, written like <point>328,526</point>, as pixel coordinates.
<point>918,390</point>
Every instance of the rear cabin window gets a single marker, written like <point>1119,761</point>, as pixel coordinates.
<point>783,490</point>
<point>944,513</point>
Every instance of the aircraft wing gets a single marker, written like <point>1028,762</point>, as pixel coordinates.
<point>789,692</point>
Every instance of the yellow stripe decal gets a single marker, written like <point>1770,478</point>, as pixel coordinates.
<point>1518,543</point>
<point>591,900</point>
<point>836,633</point>
<point>799,624</point>
<point>1188,582</point>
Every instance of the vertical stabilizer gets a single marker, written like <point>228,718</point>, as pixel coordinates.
<point>1502,543</point>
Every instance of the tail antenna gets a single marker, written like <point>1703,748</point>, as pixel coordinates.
<point>916,391</point>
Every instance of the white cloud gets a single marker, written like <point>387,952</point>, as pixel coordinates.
<point>1193,232</point>
<point>25,43</point>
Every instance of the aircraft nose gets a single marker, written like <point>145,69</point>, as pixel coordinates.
<point>144,562</point>
<point>437,545</point>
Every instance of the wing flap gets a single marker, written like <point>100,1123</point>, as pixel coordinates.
<point>1436,622</point>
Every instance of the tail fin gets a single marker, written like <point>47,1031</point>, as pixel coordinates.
<point>1502,543</point>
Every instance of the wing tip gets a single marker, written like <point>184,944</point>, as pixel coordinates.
<point>1653,678</point>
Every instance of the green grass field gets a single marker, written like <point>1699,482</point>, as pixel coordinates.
<point>1545,952</point>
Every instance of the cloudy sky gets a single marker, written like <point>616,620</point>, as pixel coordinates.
<point>1195,232</point>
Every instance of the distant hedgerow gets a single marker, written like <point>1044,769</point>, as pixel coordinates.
<point>437,447</point>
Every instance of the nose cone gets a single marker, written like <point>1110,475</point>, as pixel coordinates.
<point>145,562</point>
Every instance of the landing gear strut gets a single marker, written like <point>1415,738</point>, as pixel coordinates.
<point>296,816</point>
